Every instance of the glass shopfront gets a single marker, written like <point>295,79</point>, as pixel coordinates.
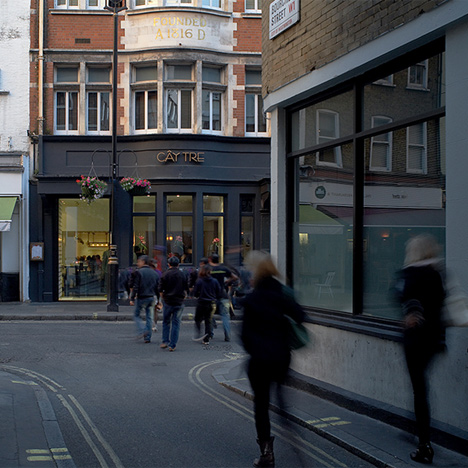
<point>380,184</point>
<point>83,248</point>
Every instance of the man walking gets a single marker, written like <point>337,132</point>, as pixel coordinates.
<point>225,278</point>
<point>145,288</point>
<point>173,289</point>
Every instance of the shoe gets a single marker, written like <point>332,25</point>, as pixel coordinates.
<point>267,457</point>
<point>227,338</point>
<point>172,349</point>
<point>163,345</point>
<point>423,454</point>
<point>205,343</point>
<point>147,341</point>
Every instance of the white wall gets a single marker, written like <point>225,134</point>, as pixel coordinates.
<point>14,75</point>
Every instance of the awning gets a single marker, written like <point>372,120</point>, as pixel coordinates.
<point>312,221</point>
<point>388,217</point>
<point>7,205</point>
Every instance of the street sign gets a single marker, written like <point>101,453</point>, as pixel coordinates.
<point>283,15</point>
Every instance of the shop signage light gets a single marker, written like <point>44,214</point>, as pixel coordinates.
<point>181,156</point>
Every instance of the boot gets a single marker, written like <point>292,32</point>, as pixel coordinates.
<point>267,457</point>
<point>423,454</point>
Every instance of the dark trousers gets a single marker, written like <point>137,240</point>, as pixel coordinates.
<point>418,361</point>
<point>205,311</point>
<point>261,377</point>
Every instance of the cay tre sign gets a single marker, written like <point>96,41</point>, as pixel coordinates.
<point>191,157</point>
<point>283,14</point>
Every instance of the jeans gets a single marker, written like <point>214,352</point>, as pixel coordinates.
<point>172,315</point>
<point>144,328</point>
<point>223,308</point>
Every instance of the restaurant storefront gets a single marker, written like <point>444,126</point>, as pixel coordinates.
<point>208,194</point>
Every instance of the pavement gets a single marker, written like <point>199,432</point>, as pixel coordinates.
<point>29,431</point>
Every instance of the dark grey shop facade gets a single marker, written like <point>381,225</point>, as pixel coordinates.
<point>208,194</point>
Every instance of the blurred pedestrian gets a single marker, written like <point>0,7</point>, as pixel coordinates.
<point>225,278</point>
<point>421,293</point>
<point>208,292</point>
<point>173,288</point>
<point>265,335</point>
<point>145,290</point>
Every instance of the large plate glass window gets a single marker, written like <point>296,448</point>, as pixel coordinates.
<point>179,227</point>
<point>213,225</point>
<point>323,233</point>
<point>83,249</point>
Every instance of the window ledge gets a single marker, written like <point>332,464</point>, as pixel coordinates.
<point>362,324</point>
<point>77,11</point>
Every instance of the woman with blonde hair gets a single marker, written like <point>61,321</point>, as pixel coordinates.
<point>421,293</point>
<point>265,337</point>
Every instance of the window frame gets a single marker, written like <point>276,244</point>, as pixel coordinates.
<point>320,139</point>
<point>256,8</point>
<point>423,86</point>
<point>421,146</point>
<point>98,113</point>
<point>389,145</point>
<point>67,5</point>
<point>256,132</point>
<point>67,131</point>
<point>372,325</point>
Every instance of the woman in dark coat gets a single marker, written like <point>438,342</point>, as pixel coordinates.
<point>422,296</point>
<point>265,338</point>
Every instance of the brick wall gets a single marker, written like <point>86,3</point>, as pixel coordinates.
<point>327,30</point>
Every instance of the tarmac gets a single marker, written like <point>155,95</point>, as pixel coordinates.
<point>29,431</point>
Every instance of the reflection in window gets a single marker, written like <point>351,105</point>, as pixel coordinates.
<point>66,111</point>
<point>98,112</point>
<point>83,245</point>
<point>255,121</point>
<point>328,129</point>
<point>416,149</point>
<point>381,147</point>
<point>213,226</point>
<point>247,224</point>
<point>211,110</point>
<point>144,236</point>
<point>401,206</point>
<point>417,75</point>
<point>323,239</point>
<point>144,204</point>
<point>178,109</point>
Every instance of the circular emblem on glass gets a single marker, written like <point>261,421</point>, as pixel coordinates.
<point>320,192</point>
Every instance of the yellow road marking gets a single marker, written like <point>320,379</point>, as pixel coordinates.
<point>23,383</point>
<point>38,455</point>
<point>325,422</point>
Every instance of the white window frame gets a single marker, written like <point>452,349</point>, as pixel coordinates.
<point>178,128</point>
<point>67,5</point>
<point>256,8</point>
<point>146,129</point>
<point>101,5</point>
<point>67,131</point>
<point>178,3</point>
<point>377,141</point>
<point>422,146</point>
<point>148,3</point>
<point>99,112</point>
<point>211,4</point>
<point>256,116</point>
<point>323,139</point>
<point>419,85</point>
<point>221,101</point>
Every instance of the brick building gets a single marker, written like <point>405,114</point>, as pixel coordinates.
<point>189,120</point>
<point>367,151</point>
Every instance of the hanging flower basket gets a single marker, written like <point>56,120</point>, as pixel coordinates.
<point>91,188</point>
<point>136,186</point>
